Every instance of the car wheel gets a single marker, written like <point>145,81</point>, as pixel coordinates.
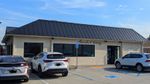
<point>118,65</point>
<point>26,80</point>
<point>32,70</point>
<point>139,67</point>
<point>64,74</point>
<point>40,71</point>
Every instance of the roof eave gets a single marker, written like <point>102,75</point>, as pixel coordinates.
<point>5,38</point>
<point>105,40</point>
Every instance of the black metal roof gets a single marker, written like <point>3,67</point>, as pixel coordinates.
<point>76,30</point>
<point>8,29</point>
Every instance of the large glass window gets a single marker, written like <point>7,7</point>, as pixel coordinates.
<point>32,49</point>
<point>87,50</point>
<point>58,48</point>
<point>70,50</point>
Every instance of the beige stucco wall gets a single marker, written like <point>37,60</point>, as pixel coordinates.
<point>18,44</point>
<point>100,51</point>
<point>131,48</point>
<point>147,44</point>
<point>100,48</point>
<point>97,60</point>
<point>146,47</point>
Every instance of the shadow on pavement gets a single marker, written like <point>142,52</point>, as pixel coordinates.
<point>11,82</point>
<point>51,77</point>
<point>34,76</point>
<point>125,70</point>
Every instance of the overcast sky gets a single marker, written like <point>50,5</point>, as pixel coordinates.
<point>133,14</point>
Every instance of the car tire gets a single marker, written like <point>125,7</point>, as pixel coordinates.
<point>118,65</point>
<point>65,74</point>
<point>26,80</point>
<point>40,74</point>
<point>32,70</point>
<point>139,68</point>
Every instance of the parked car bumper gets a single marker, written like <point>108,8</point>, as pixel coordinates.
<point>21,77</point>
<point>55,71</point>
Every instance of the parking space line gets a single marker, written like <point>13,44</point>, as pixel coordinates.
<point>88,78</point>
<point>43,81</point>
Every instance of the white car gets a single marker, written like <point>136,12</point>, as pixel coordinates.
<point>13,68</point>
<point>140,61</point>
<point>47,63</point>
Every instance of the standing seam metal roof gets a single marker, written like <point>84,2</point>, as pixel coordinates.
<point>76,30</point>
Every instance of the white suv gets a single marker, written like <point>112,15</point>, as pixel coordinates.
<point>140,61</point>
<point>50,63</point>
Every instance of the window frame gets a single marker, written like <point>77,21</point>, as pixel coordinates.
<point>28,51</point>
<point>74,49</point>
<point>127,56</point>
<point>133,56</point>
<point>136,56</point>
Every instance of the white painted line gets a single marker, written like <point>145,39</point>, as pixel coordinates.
<point>43,81</point>
<point>82,76</point>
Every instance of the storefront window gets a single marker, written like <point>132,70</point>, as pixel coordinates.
<point>70,50</point>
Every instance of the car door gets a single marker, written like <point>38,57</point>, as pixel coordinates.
<point>35,61</point>
<point>38,60</point>
<point>131,59</point>
<point>135,58</point>
<point>126,60</point>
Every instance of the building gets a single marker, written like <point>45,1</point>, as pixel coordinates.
<point>98,45</point>
<point>1,50</point>
<point>146,47</point>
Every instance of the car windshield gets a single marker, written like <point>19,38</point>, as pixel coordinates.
<point>148,56</point>
<point>11,59</point>
<point>55,56</point>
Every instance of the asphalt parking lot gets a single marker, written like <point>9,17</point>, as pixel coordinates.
<point>92,75</point>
